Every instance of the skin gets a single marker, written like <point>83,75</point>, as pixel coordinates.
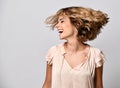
<point>48,79</point>
<point>77,48</point>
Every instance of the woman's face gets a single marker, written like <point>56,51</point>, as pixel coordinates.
<point>65,28</point>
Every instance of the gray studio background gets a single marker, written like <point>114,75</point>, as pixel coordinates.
<point>25,39</point>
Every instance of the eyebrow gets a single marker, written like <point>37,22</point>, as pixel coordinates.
<point>61,19</point>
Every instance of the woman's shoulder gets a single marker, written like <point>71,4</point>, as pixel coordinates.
<point>98,55</point>
<point>96,51</point>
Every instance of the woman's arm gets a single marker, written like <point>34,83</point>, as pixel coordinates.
<point>98,77</point>
<point>48,78</point>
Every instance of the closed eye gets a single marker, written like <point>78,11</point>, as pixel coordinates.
<point>61,21</point>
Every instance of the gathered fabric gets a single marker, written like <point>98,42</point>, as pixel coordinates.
<point>80,76</point>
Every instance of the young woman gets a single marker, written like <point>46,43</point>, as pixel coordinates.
<point>75,64</point>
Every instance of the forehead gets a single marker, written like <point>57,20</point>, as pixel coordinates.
<point>62,17</point>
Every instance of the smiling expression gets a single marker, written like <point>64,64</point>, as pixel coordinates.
<point>65,28</point>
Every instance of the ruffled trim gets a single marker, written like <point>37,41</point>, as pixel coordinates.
<point>50,54</point>
<point>100,58</point>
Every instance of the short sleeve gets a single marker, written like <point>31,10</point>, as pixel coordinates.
<point>100,59</point>
<point>49,56</point>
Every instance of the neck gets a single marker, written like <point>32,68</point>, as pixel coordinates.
<point>74,46</point>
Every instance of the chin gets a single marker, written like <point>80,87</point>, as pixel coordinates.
<point>61,38</point>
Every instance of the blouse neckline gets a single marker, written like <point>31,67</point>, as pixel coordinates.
<point>87,57</point>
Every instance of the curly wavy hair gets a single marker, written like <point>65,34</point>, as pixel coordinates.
<point>87,21</point>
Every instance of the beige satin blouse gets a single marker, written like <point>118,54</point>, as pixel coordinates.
<point>81,76</point>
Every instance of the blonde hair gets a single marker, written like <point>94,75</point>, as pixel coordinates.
<point>87,21</point>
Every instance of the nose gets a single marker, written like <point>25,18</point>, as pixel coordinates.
<point>57,25</point>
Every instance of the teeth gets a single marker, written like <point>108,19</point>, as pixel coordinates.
<point>60,31</point>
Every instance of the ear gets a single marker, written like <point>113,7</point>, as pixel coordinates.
<point>78,25</point>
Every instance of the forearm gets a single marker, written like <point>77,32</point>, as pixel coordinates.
<point>47,85</point>
<point>99,86</point>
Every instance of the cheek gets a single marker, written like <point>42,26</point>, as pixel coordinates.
<point>70,31</point>
<point>68,26</point>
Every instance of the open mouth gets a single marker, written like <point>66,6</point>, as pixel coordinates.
<point>60,31</point>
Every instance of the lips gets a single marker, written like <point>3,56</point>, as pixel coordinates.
<point>60,31</point>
